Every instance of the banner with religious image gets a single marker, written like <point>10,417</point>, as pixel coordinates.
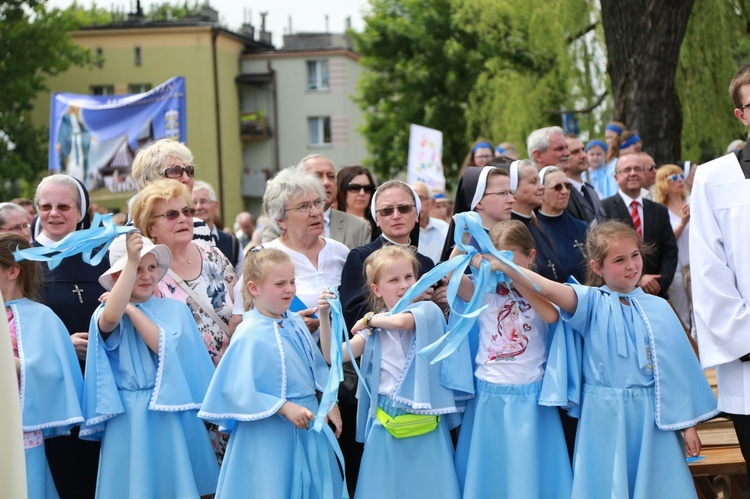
<point>95,137</point>
<point>425,162</point>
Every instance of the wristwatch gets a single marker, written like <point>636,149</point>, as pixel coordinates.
<point>367,318</point>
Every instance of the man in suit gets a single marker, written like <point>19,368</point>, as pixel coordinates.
<point>349,230</point>
<point>584,203</point>
<point>206,207</point>
<point>650,219</point>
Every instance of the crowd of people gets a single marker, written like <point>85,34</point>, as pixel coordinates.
<point>193,359</point>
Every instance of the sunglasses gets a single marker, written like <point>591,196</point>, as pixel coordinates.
<point>368,188</point>
<point>173,215</point>
<point>60,207</point>
<point>675,177</point>
<point>402,208</point>
<point>559,187</point>
<point>176,171</point>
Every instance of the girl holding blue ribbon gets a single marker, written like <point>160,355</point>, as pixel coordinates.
<point>406,406</point>
<point>641,381</point>
<point>147,371</point>
<point>49,379</point>
<point>524,455</point>
<point>264,395</point>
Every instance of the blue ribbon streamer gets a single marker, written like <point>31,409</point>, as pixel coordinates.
<point>485,281</point>
<point>91,243</point>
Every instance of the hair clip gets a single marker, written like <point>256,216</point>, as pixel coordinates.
<point>256,248</point>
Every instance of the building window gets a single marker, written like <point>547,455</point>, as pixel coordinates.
<point>100,57</point>
<point>138,88</point>
<point>102,90</point>
<point>320,130</point>
<point>317,75</point>
<point>137,56</point>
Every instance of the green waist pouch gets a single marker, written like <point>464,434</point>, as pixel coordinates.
<point>407,425</point>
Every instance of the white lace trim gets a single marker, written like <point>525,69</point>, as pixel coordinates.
<point>211,416</point>
<point>21,356</point>
<point>657,384</point>
<point>54,424</point>
<point>159,372</point>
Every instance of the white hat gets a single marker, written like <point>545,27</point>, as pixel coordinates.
<point>118,255</point>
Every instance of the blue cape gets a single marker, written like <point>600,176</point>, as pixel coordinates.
<point>51,381</point>
<point>423,388</point>
<point>683,396</point>
<point>250,381</point>
<point>184,368</point>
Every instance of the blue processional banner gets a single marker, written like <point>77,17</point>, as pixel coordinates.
<point>95,137</point>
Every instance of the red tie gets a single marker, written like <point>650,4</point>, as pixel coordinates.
<point>636,218</point>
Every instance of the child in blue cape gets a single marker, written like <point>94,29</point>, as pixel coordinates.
<point>642,383</point>
<point>146,374</point>
<point>510,446</point>
<point>264,395</point>
<point>49,378</point>
<point>405,417</point>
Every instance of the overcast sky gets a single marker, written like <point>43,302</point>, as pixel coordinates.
<point>307,15</point>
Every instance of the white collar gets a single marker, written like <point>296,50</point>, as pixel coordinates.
<point>395,243</point>
<point>44,240</point>
<point>627,199</point>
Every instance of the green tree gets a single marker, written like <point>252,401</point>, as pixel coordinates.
<point>544,65</point>
<point>421,67</point>
<point>716,45</point>
<point>471,68</point>
<point>35,45</point>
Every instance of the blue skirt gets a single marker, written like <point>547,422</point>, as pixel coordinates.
<point>509,446</point>
<point>620,452</point>
<point>155,454</point>
<point>419,466</point>
<point>39,483</point>
<point>271,458</point>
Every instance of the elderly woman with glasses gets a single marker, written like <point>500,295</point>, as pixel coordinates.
<point>72,291</point>
<point>294,202</point>
<point>568,233</point>
<point>171,160</point>
<point>14,218</point>
<point>524,179</point>
<point>199,275</point>
<point>671,191</point>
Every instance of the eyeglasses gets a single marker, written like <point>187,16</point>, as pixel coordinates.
<point>17,228</point>
<point>501,193</point>
<point>402,208</point>
<point>368,188</point>
<point>559,187</point>
<point>176,171</point>
<point>631,169</point>
<point>173,215</point>
<point>675,177</point>
<point>307,206</point>
<point>484,156</point>
<point>743,106</point>
<point>60,207</point>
